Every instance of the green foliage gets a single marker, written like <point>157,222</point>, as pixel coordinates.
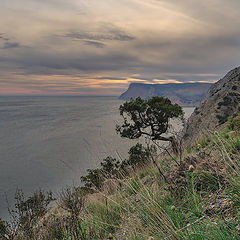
<point>73,201</point>
<point>110,167</point>
<point>234,123</point>
<point>203,142</point>
<point>221,118</point>
<point>28,211</point>
<point>192,196</point>
<point>133,186</point>
<point>32,208</point>
<point>139,155</point>
<point>236,144</point>
<point>93,180</point>
<point>207,208</point>
<point>207,181</point>
<point>209,230</point>
<point>226,101</point>
<point>147,117</point>
<point>189,149</point>
<point>106,218</point>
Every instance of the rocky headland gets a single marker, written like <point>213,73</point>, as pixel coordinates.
<point>184,94</point>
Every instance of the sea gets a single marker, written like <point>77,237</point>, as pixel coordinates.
<point>48,142</point>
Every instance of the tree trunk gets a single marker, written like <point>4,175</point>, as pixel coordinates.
<point>173,140</point>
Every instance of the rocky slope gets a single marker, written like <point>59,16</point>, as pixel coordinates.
<point>185,94</point>
<point>221,101</point>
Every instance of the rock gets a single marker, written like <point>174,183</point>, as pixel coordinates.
<point>221,102</point>
<point>185,94</point>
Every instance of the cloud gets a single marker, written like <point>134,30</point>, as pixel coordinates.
<point>11,45</point>
<point>2,36</point>
<point>94,43</point>
<point>105,33</point>
<point>110,78</point>
<point>164,81</point>
<point>116,42</point>
<point>7,43</point>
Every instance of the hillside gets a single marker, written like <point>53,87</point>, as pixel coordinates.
<point>192,197</point>
<point>221,102</point>
<point>199,199</point>
<point>185,94</point>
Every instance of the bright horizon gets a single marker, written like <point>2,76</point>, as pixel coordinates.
<point>97,48</point>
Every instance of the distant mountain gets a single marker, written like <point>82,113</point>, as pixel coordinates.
<point>185,94</point>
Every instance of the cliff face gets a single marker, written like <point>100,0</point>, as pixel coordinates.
<point>185,94</point>
<point>221,102</point>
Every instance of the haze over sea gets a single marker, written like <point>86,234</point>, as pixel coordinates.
<point>49,142</point>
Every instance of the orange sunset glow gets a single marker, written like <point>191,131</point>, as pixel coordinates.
<point>99,47</point>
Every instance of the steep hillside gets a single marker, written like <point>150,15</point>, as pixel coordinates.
<point>221,101</point>
<point>185,94</point>
<point>197,199</point>
<point>154,196</point>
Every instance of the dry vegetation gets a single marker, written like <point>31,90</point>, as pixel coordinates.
<point>199,199</point>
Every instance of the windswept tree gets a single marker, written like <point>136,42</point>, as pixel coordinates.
<point>148,118</point>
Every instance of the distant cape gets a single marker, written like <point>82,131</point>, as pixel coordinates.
<point>185,94</point>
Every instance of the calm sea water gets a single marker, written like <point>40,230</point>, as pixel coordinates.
<point>49,142</point>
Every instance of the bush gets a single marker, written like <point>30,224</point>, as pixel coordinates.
<point>93,180</point>
<point>73,201</point>
<point>203,142</point>
<point>234,123</point>
<point>221,119</point>
<point>28,212</point>
<point>138,155</point>
<point>110,167</point>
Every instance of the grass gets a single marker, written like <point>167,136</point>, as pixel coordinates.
<point>200,204</point>
<point>153,210</point>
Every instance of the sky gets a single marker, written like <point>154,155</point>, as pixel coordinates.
<point>99,47</point>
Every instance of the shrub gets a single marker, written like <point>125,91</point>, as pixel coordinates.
<point>28,212</point>
<point>139,155</point>
<point>221,119</point>
<point>203,142</point>
<point>110,167</point>
<point>93,180</point>
<point>227,100</point>
<point>236,145</point>
<point>189,149</point>
<point>73,200</point>
<point>234,123</point>
<point>106,217</point>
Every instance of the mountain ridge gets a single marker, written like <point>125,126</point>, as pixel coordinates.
<point>185,94</point>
